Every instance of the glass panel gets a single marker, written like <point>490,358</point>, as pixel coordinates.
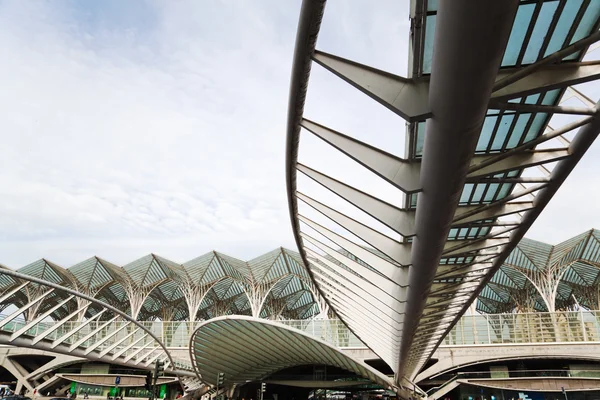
<point>432,5</point>
<point>504,190</point>
<point>518,131</point>
<point>484,231</point>
<point>563,26</point>
<point>502,131</point>
<point>532,98</point>
<point>452,233</point>
<point>478,193</point>
<point>550,97</point>
<point>486,133</point>
<point>466,193</point>
<point>489,195</point>
<point>585,25</point>
<point>517,35</point>
<point>534,129</point>
<point>539,32</point>
<point>420,138</point>
<point>428,45</point>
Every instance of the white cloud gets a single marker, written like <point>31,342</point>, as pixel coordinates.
<point>137,127</point>
<point>122,138</point>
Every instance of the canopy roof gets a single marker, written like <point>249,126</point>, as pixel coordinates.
<point>541,277</point>
<point>245,348</point>
<point>274,285</point>
<point>497,117</point>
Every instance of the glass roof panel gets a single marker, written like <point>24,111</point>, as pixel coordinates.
<point>518,130</point>
<point>565,22</point>
<point>432,5</point>
<point>487,131</point>
<point>517,35</point>
<point>428,45</point>
<point>502,132</point>
<point>532,98</point>
<point>540,31</point>
<point>420,138</point>
<point>551,97</point>
<point>536,126</point>
<point>587,23</point>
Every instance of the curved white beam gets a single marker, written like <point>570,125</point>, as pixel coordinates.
<point>248,348</point>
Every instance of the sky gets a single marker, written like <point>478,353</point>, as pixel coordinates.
<point>159,126</point>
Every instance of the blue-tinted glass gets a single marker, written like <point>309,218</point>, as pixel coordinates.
<point>478,193</point>
<point>563,26</point>
<point>585,25</point>
<point>517,35</point>
<point>432,5</point>
<point>539,32</point>
<point>516,100</point>
<point>484,231</point>
<point>463,233</point>
<point>502,131</point>
<point>486,133</point>
<point>532,98</point>
<point>413,200</point>
<point>489,195</point>
<point>587,22</point>
<point>452,233</point>
<point>504,190</point>
<point>420,138</point>
<point>550,97</point>
<point>466,193</point>
<point>518,131</point>
<point>536,126</point>
<point>428,45</point>
<point>513,173</point>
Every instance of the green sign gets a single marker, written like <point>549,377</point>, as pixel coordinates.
<point>163,391</point>
<point>73,387</point>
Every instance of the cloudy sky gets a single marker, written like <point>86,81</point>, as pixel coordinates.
<point>159,126</point>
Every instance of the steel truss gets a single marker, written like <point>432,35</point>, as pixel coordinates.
<point>249,349</point>
<point>401,297</point>
<point>110,335</point>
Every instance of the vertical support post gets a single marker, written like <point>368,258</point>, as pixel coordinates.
<point>542,327</point>
<point>487,321</point>
<point>583,332</point>
<point>528,329</point>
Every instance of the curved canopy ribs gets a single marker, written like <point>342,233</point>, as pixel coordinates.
<point>495,124</point>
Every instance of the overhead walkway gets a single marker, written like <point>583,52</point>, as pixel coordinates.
<point>249,349</point>
<point>110,335</point>
<point>477,339</point>
<point>113,337</point>
<point>494,127</point>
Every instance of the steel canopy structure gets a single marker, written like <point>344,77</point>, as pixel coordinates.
<point>247,349</point>
<point>99,311</point>
<point>494,127</point>
<point>274,285</point>
<point>540,277</point>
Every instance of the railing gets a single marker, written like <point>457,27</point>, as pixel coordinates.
<point>177,333</point>
<point>547,373</point>
<point>437,391</point>
<point>557,327</point>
